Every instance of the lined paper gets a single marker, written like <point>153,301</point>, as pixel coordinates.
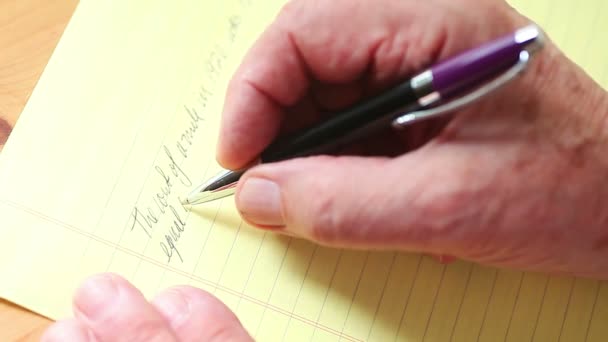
<point>124,120</point>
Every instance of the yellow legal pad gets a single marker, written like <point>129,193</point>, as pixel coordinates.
<point>124,120</point>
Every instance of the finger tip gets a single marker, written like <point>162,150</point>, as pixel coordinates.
<point>66,330</point>
<point>226,160</point>
<point>97,293</point>
<point>114,309</point>
<point>174,306</point>
<point>197,299</point>
<point>184,306</point>
<point>227,153</point>
<point>222,154</point>
<point>230,157</point>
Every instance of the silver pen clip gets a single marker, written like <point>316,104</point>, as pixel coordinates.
<point>425,114</point>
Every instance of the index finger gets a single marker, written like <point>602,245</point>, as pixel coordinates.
<point>336,42</point>
<point>308,40</point>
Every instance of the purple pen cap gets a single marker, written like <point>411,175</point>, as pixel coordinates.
<point>468,69</point>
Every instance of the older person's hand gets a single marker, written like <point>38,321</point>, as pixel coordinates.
<point>108,308</point>
<point>517,180</point>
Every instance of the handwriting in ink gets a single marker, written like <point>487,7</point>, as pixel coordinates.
<point>169,246</point>
<point>177,170</point>
<point>161,198</point>
<point>144,221</point>
<point>234,22</point>
<point>169,170</point>
<point>215,62</point>
<point>187,137</point>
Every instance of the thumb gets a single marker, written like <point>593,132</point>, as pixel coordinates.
<point>403,203</point>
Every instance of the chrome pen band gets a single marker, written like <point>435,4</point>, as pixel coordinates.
<point>531,34</point>
<point>474,72</point>
<point>422,84</point>
<point>409,118</point>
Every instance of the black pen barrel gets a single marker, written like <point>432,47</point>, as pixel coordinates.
<point>345,126</point>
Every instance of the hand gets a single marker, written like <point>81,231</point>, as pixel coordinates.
<point>108,308</point>
<point>518,180</point>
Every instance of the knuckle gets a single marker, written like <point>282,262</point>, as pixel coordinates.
<point>441,204</point>
<point>447,207</point>
<point>460,209</point>
<point>326,217</point>
<point>338,216</point>
<point>326,221</point>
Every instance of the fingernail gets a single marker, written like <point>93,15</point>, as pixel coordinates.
<point>174,306</point>
<point>259,202</point>
<point>96,295</point>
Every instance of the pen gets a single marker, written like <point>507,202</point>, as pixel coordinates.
<point>442,88</point>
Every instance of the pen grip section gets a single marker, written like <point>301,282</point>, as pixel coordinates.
<point>344,127</point>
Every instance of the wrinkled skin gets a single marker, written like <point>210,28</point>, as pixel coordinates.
<point>517,180</point>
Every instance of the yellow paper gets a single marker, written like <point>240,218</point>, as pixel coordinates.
<point>125,119</point>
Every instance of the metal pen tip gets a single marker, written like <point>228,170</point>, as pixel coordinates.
<point>209,195</point>
<point>220,186</point>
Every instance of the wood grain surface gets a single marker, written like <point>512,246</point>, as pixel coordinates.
<point>29,32</point>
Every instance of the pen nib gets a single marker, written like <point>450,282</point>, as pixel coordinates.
<point>221,185</point>
<point>209,195</point>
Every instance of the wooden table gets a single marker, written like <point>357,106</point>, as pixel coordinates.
<point>29,31</point>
